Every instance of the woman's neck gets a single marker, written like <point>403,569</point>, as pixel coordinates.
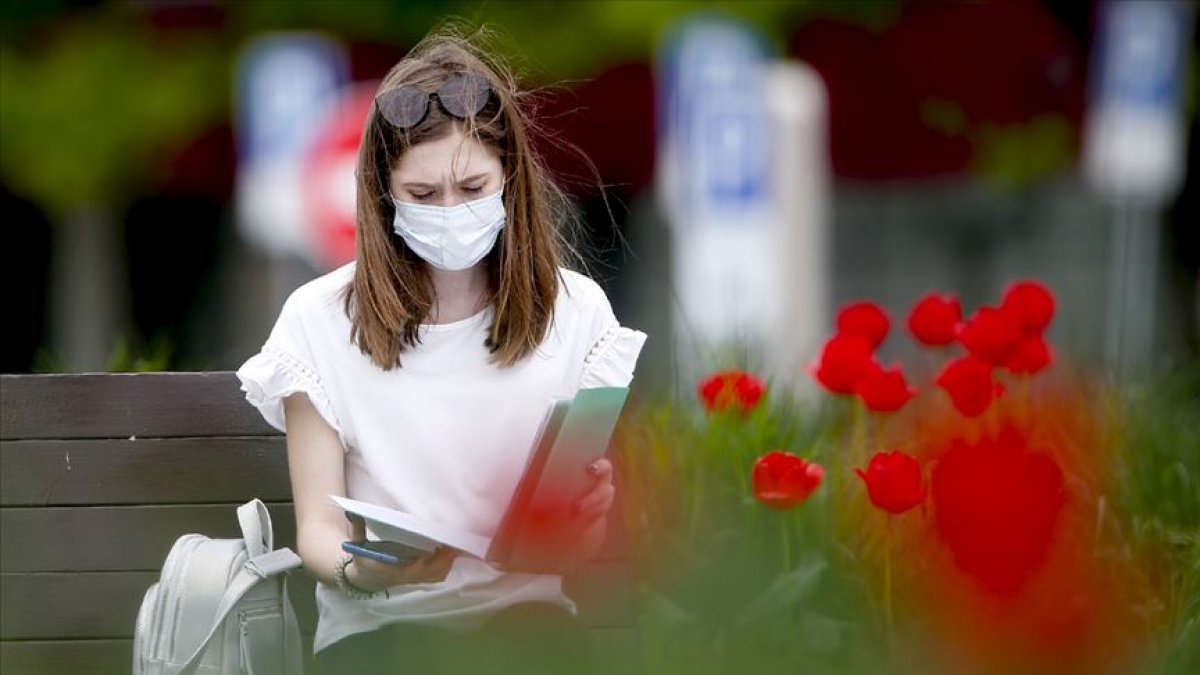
<point>458,294</point>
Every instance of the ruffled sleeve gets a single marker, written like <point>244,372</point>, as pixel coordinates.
<point>611,360</point>
<point>283,367</point>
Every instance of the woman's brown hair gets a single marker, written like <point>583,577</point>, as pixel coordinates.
<point>391,293</point>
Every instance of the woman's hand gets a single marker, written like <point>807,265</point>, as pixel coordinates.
<point>591,511</point>
<point>372,575</point>
<point>597,502</point>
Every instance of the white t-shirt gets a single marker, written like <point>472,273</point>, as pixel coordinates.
<point>444,437</point>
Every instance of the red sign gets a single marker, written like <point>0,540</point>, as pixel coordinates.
<point>330,188</point>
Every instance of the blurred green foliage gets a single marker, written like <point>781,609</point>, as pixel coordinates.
<point>1159,501</point>
<point>1161,472</point>
<point>126,356</point>
<point>92,98</point>
<point>730,585</point>
<point>89,109</point>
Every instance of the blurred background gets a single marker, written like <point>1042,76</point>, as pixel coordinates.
<point>170,171</point>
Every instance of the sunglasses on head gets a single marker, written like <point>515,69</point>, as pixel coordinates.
<point>463,96</point>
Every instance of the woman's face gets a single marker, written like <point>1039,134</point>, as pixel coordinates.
<point>446,171</point>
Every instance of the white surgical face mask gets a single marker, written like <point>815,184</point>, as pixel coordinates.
<point>451,237</point>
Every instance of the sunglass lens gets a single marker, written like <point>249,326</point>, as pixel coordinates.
<point>404,107</point>
<point>464,95</point>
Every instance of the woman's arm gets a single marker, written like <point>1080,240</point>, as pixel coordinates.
<point>317,465</point>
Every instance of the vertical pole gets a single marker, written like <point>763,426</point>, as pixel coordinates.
<point>89,298</point>
<point>797,104</point>
<point>1116,285</point>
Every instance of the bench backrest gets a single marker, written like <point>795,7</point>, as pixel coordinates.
<point>100,473</point>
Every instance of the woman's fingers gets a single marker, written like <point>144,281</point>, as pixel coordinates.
<point>597,502</point>
<point>358,527</point>
<point>601,469</point>
<point>373,574</point>
<point>430,568</point>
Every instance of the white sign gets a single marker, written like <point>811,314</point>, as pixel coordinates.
<point>286,86</point>
<point>1135,139</point>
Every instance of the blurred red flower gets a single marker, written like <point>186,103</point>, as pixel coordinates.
<point>783,480</point>
<point>995,505</point>
<point>884,390</point>
<point>894,481</point>
<point>991,334</point>
<point>866,320</point>
<point>968,380</point>
<point>934,319</point>
<point>1032,304</point>
<point>731,390</point>
<point>1031,356</point>
<point>845,360</point>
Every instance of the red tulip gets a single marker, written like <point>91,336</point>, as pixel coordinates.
<point>935,318</point>
<point>783,480</point>
<point>1032,304</point>
<point>893,481</point>
<point>991,334</point>
<point>968,380</point>
<point>996,504</point>
<point>884,390</point>
<point>866,320</point>
<point>845,360</point>
<point>1030,356</point>
<point>731,390</point>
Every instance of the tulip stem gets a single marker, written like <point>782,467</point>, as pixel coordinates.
<point>889,617</point>
<point>858,429</point>
<point>787,546</point>
<point>787,560</point>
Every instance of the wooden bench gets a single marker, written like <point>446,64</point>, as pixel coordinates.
<point>100,473</point>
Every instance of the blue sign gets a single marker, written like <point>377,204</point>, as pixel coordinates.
<point>1136,135</point>
<point>1142,51</point>
<point>713,104</point>
<point>286,84</point>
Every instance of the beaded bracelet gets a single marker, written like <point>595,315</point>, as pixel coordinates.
<point>344,585</point>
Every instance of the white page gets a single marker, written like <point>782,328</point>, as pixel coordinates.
<point>405,528</point>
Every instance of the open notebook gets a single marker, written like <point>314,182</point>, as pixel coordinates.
<point>538,531</point>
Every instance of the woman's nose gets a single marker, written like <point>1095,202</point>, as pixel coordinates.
<point>453,198</point>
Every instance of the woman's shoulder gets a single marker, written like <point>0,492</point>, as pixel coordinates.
<point>580,291</point>
<point>322,296</point>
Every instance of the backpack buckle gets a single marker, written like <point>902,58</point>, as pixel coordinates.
<point>273,562</point>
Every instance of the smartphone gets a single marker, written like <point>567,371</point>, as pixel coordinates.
<point>390,552</point>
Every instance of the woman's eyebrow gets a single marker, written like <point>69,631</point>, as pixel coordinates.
<point>410,184</point>
<point>419,186</point>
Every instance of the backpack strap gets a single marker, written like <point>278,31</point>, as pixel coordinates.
<point>254,571</point>
<point>255,521</point>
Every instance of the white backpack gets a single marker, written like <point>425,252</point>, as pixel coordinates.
<point>221,606</point>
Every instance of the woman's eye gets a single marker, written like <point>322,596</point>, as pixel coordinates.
<point>473,190</point>
<point>421,196</point>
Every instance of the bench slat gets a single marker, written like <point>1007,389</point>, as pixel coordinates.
<point>137,538</point>
<point>102,657</point>
<point>104,605</point>
<point>151,471</point>
<point>113,657</point>
<point>120,405</point>
<point>118,539</point>
<point>98,605</point>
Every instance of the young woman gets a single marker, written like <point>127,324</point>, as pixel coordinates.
<point>416,376</point>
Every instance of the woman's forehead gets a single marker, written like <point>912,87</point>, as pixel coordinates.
<point>451,157</point>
